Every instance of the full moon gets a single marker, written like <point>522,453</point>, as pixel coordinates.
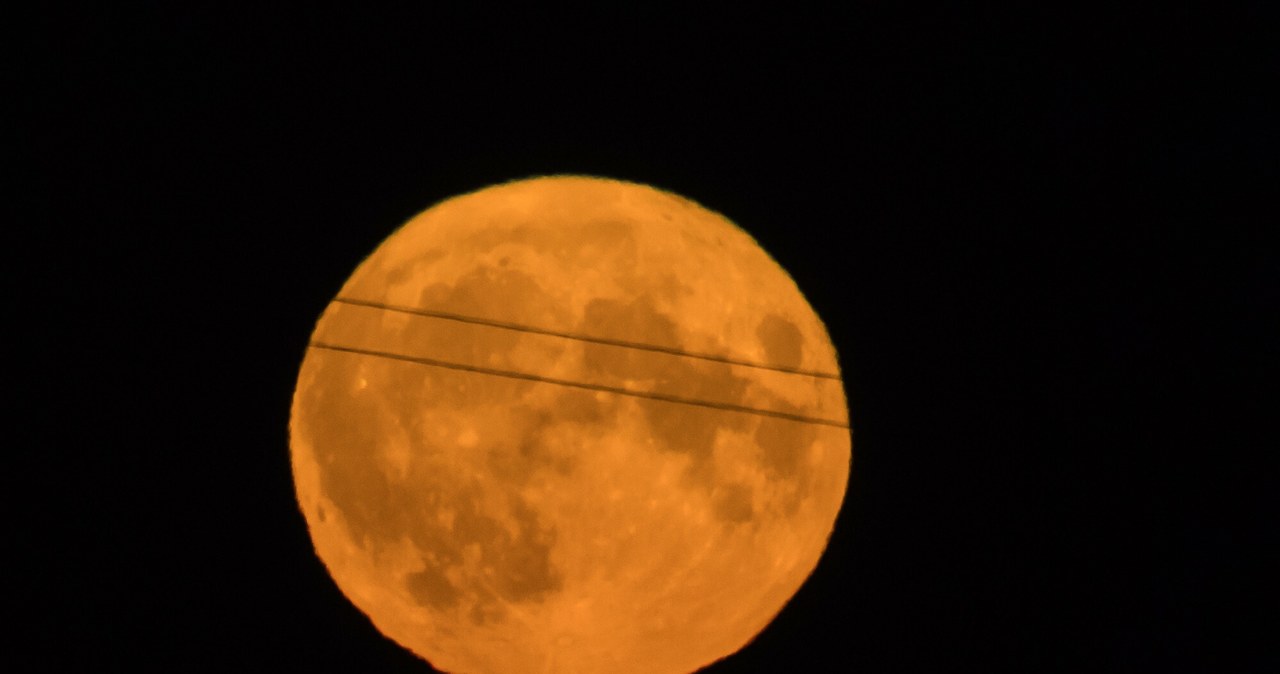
<point>570,424</point>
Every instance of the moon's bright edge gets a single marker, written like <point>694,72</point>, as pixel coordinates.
<point>493,524</point>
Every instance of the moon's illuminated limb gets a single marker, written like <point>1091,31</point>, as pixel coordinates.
<point>494,524</point>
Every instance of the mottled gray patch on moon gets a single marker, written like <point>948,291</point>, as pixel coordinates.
<point>517,566</point>
<point>687,429</point>
<point>691,429</point>
<point>783,343</point>
<point>486,554</point>
<point>637,320</point>
<point>782,447</point>
<point>431,589</point>
<point>783,442</point>
<point>732,503</point>
<point>579,245</point>
<point>344,429</point>
<point>503,293</point>
<point>408,269</point>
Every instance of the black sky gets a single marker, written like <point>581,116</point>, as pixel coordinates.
<point>1036,239</point>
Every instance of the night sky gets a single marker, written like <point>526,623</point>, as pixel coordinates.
<point>1036,240</point>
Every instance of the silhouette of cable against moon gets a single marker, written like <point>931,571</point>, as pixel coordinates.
<point>582,338</point>
<point>432,362</point>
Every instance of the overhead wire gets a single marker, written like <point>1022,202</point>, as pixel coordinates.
<point>460,318</point>
<point>651,395</point>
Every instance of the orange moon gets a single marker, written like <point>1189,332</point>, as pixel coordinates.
<point>570,424</point>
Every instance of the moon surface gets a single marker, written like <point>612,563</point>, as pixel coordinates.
<point>570,424</point>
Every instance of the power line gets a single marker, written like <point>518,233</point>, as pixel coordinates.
<point>582,338</point>
<point>590,387</point>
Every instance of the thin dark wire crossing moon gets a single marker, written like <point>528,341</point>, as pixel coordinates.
<point>583,385</point>
<point>582,338</point>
